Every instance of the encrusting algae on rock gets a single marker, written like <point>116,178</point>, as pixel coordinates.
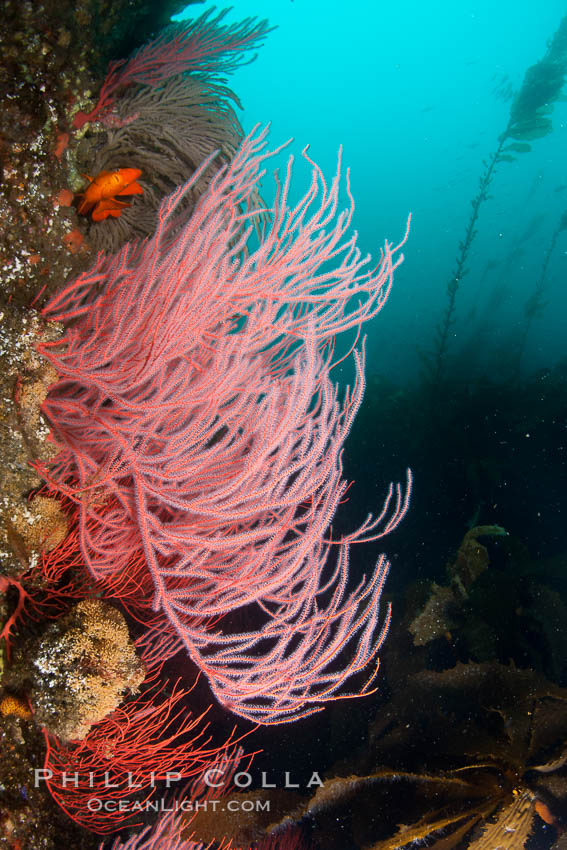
<point>27,527</point>
<point>82,668</point>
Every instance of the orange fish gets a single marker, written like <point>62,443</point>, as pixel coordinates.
<point>100,195</point>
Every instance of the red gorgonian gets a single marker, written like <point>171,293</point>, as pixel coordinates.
<point>200,429</point>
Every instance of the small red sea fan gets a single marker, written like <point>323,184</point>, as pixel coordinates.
<point>203,46</point>
<point>110,777</point>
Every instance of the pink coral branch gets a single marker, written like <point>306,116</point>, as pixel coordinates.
<point>6,633</point>
<point>195,390</point>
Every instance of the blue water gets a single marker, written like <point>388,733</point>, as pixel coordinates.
<point>413,92</point>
